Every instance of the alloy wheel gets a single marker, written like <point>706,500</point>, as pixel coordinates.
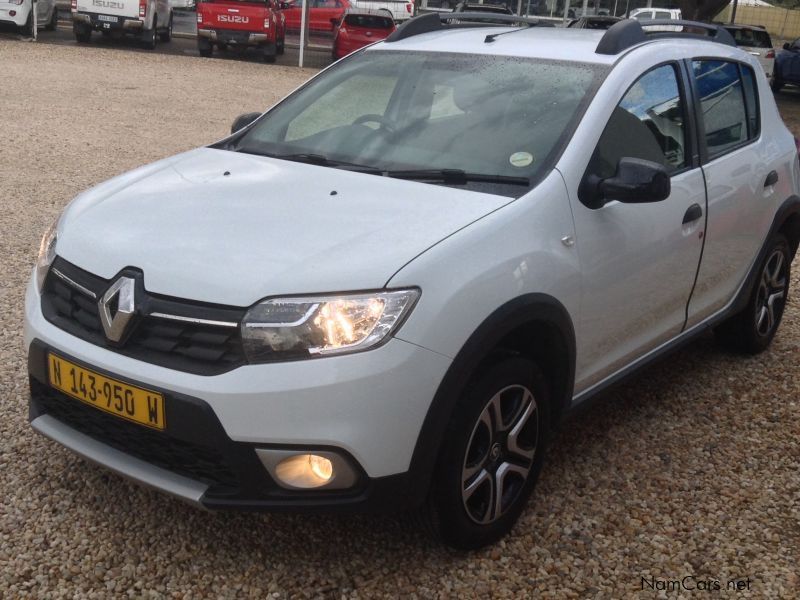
<point>500,454</point>
<point>771,293</point>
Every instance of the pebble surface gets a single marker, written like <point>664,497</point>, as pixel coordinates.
<point>690,469</point>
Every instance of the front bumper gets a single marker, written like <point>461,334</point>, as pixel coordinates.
<point>369,407</point>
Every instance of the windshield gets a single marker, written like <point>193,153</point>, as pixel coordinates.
<point>495,116</point>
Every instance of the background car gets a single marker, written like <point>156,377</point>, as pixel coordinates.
<point>358,29</point>
<point>322,14</point>
<point>595,22</point>
<point>787,66</point>
<point>19,14</point>
<point>399,10</point>
<point>757,42</point>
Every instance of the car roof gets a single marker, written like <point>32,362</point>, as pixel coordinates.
<point>548,43</point>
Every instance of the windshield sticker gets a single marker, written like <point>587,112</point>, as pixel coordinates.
<point>521,159</point>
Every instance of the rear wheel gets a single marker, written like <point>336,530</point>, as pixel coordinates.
<point>150,36</point>
<point>751,331</point>
<point>204,47</point>
<point>492,454</point>
<point>776,83</point>
<point>83,34</point>
<point>280,46</point>
<point>53,23</point>
<point>166,35</point>
<point>27,29</point>
<point>269,53</point>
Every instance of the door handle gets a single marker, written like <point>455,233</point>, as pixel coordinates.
<point>693,213</point>
<point>771,179</point>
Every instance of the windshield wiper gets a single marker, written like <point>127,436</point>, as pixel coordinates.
<point>317,159</point>
<point>456,176</point>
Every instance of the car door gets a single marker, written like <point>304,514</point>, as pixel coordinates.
<point>43,11</point>
<point>790,63</point>
<point>639,261</point>
<point>736,167</point>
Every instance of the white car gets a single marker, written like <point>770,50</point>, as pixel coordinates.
<point>149,20</point>
<point>384,292</point>
<point>399,10</point>
<point>650,14</point>
<point>20,14</point>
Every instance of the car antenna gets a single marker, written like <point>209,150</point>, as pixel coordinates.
<point>493,36</point>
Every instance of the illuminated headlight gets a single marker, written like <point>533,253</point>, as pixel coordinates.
<point>286,328</point>
<point>47,254</point>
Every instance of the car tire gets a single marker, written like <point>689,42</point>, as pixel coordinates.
<point>751,331</point>
<point>776,83</point>
<point>150,36</point>
<point>27,29</point>
<point>53,23</point>
<point>497,436</point>
<point>280,46</point>
<point>205,48</point>
<point>166,35</point>
<point>269,53</point>
<point>83,34</point>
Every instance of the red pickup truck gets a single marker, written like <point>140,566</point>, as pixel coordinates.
<point>240,23</point>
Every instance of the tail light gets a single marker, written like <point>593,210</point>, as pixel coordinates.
<point>771,54</point>
<point>410,8</point>
<point>199,17</point>
<point>266,23</point>
<point>142,8</point>
<point>74,4</point>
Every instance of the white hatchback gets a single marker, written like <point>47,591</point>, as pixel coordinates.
<point>386,291</point>
<point>20,14</point>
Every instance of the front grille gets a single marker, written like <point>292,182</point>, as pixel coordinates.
<point>178,343</point>
<point>185,458</point>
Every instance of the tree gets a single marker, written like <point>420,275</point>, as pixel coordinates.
<point>701,10</point>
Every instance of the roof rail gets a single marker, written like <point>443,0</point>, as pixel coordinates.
<point>630,32</point>
<point>439,21</point>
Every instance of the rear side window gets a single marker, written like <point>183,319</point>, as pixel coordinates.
<point>663,15</point>
<point>722,102</point>
<point>369,21</point>
<point>648,123</point>
<point>751,102</point>
<point>751,38</point>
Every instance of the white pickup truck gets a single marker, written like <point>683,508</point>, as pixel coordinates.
<point>400,10</point>
<point>150,20</point>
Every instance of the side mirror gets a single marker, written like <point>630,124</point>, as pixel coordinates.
<point>636,181</point>
<point>787,46</point>
<point>243,121</point>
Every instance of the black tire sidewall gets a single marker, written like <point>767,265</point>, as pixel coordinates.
<point>454,525</point>
<point>755,341</point>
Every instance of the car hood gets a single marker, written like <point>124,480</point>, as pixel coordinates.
<point>231,228</point>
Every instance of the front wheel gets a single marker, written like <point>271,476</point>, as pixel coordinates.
<point>751,331</point>
<point>492,455</point>
<point>269,53</point>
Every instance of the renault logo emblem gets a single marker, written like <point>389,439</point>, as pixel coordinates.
<point>117,307</point>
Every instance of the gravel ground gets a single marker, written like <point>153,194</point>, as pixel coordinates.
<point>691,469</point>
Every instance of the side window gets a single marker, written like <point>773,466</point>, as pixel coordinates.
<point>648,123</point>
<point>663,14</point>
<point>722,104</point>
<point>751,102</point>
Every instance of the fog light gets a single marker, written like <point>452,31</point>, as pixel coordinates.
<point>305,471</point>
<point>308,470</point>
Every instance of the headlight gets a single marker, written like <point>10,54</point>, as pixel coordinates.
<point>286,328</point>
<point>47,254</point>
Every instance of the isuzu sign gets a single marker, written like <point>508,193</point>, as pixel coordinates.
<point>108,4</point>
<point>233,19</point>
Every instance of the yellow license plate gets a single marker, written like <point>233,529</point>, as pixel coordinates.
<point>121,399</point>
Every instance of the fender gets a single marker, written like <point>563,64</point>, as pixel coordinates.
<point>530,308</point>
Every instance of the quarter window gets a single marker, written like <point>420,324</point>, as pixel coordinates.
<point>648,123</point>
<point>722,102</point>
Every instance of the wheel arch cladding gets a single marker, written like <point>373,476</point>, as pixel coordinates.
<point>533,325</point>
<point>790,222</point>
